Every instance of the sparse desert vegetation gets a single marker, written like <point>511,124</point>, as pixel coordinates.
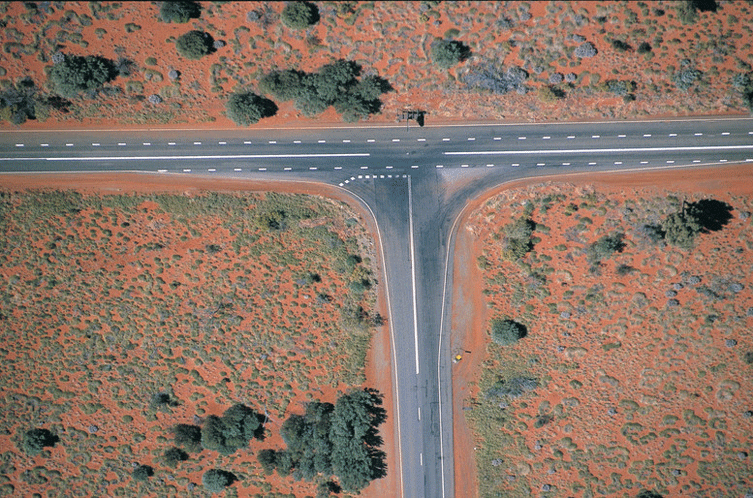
<point>177,62</point>
<point>159,341</point>
<point>634,375</point>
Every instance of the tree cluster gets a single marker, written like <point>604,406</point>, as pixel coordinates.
<point>216,480</point>
<point>743,83</point>
<point>75,74</point>
<point>708,215</point>
<point>339,440</point>
<point>605,247</point>
<point>224,434</point>
<point>334,84</point>
<point>19,102</point>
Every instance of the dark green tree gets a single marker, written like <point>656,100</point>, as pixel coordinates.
<point>194,44</point>
<point>76,74</point>
<point>268,460</point>
<point>188,437</point>
<point>142,472</point>
<point>248,108</point>
<point>300,15</point>
<point>447,53</point>
<point>216,480</point>
<point>179,11</point>
<point>172,456</point>
<point>282,85</point>
<point>605,247</point>
<point>517,239</point>
<point>35,440</point>
<point>507,332</point>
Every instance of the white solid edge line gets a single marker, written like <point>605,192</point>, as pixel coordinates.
<point>591,151</point>
<point>174,158</point>
<point>413,270</point>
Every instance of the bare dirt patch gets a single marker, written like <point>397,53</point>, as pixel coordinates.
<point>393,40</point>
<point>111,299</point>
<point>636,369</point>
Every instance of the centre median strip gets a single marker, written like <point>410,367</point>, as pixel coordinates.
<point>596,151</point>
<point>195,157</point>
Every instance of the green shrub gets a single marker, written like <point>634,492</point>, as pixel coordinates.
<point>173,455</point>
<point>194,44</point>
<point>248,108</point>
<point>605,247</point>
<point>188,437</point>
<point>447,53</point>
<point>142,472</point>
<point>300,15</point>
<point>179,11</point>
<point>507,332</point>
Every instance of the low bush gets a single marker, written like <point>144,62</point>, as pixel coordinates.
<point>216,480</point>
<point>179,11</point>
<point>300,15</point>
<point>248,108</point>
<point>194,44</point>
<point>76,74</point>
<point>142,472</point>
<point>447,53</point>
<point>35,440</point>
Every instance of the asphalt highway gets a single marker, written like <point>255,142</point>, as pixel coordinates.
<point>415,182</point>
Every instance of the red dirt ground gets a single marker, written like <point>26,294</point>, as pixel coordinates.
<point>378,371</point>
<point>483,217</point>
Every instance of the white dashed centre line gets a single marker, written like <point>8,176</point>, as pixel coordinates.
<point>221,143</point>
<point>617,163</point>
<point>44,145</point>
<point>338,167</point>
<point>237,169</point>
<point>19,145</point>
<point>360,176</point>
<point>371,140</point>
<point>146,143</point>
<point>186,171</point>
<point>395,139</point>
<point>94,144</point>
<point>673,134</point>
<point>644,162</point>
<point>696,160</point>
<point>725,133</point>
<point>463,165</point>
<point>670,162</point>
<point>521,138</point>
<point>197,143</point>
<point>296,141</point>
<point>322,141</point>
<point>440,166</point>
<point>170,143</point>
<point>121,144</point>
<point>545,138</point>
<point>247,142</point>
<point>445,139</point>
<point>592,164</point>
<point>273,141</point>
<point>516,164</point>
<point>722,160</point>
<point>497,138</point>
<point>414,166</point>
<point>595,136</point>
<point>346,141</point>
<point>211,170</point>
<point>262,169</point>
<point>540,164</point>
<point>489,165</point>
<point>471,139</point>
<point>364,167</point>
<point>388,167</point>
<point>313,168</point>
<point>646,135</point>
<point>570,137</point>
<point>621,136</point>
<point>420,140</point>
<point>287,169</point>
<point>565,164</point>
<point>69,145</point>
<point>698,134</point>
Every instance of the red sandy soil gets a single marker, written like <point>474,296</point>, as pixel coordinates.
<point>378,371</point>
<point>646,376</point>
<point>392,39</point>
